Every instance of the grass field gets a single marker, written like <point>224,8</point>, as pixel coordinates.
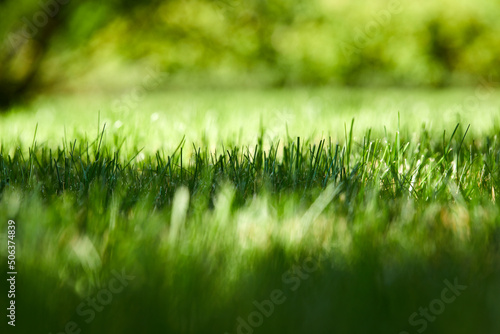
<point>278,211</point>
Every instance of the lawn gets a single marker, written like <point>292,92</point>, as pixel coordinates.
<point>251,211</point>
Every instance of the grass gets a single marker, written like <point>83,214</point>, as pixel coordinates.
<point>358,229</point>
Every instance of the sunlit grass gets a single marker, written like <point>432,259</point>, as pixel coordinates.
<point>160,119</point>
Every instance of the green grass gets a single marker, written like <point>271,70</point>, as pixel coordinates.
<point>209,226</point>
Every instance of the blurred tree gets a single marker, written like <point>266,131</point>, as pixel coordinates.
<point>31,29</point>
<point>25,45</point>
<point>51,43</point>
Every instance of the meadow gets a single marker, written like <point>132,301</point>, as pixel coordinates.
<point>255,211</point>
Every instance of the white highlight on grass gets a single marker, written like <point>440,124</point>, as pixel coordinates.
<point>140,157</point>
<point>113,211</point>
<point>118,124</point>
<point>414,178</point>
<point>86,253</point>
<point>319,205</point>
<point>255,224</point>
<point>179,211</point>
<point>154,117</point>
<point>179,126</point>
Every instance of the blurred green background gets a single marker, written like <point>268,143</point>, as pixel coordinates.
<point>92,46</point>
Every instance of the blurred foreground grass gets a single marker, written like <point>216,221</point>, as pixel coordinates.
<point>358,228</point>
